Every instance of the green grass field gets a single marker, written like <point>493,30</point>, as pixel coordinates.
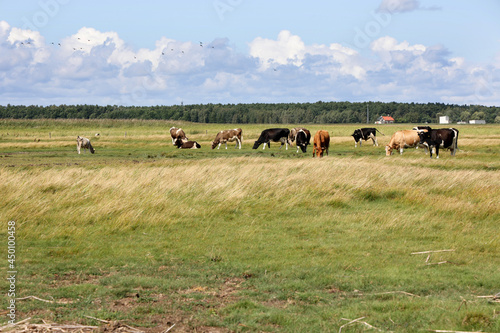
<point>249,240</point>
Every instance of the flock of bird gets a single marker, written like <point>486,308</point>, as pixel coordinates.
<point>28,42</point>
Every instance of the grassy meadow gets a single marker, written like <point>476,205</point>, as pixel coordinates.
<point>249,240</point>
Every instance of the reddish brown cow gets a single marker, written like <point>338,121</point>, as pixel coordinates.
<point>402,139</point>
<point>187,145</point>
<point>177,133</point>
<point>227,135</point>
<point>321,143</point>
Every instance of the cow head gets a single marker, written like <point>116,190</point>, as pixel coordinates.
<point>214,144</point>
<point>357,135</point>
<point>178,143</point>
<point>318,151</point>
<point>256,145</point>
<point>423,136</point>
<point>388,150</point>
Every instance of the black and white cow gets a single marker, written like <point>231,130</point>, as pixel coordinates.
<point>365,134</point>
<point>421,128</point>
<point>440,138</point>
<point>275,135</point>
<point>302,138</point>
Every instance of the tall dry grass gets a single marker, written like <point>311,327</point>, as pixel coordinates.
<point>167,191</point>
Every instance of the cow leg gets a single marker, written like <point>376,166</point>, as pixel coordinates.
<point>239,142</point>
<point>437,152</point>
<point>360,140</point>
<point>401,150</point>
<point>226,145</point>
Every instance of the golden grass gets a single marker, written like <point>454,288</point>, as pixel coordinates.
<point>155,193</point>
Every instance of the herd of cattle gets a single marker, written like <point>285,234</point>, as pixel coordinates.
<point>431,139</point>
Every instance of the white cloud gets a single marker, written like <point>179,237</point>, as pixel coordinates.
<point>398,6</point>
<point>94,67</point>
<point>289,49</point>
<point>402,6</point>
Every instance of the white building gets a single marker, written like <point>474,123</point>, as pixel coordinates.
<point>477,122</point>
<point>444,120</point>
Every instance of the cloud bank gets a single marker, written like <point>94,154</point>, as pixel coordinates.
<point>95,67</point>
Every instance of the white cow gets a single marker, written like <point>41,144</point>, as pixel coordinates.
<point>84,143</point>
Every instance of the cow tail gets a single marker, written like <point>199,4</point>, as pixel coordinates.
<point>380,132</point>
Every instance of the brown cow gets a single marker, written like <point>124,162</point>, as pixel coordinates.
<point>321,143</point>
<point>177,133</point>
<point>187,145</point>
<point>402,139</point>
<point>228,135</point>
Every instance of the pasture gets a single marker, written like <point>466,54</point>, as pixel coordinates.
<point>146,235</point>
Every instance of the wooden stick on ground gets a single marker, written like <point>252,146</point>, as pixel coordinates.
<point>43,300</point>
<point>101,320</point>
<point>358,321</point>
<point>15,324</point>
<point>351,322</point>
<point>168,329</point>
<point>423,252</point>
<point>438,263</point>
<point>395,292</point>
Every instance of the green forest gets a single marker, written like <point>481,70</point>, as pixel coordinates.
<point>261,113</point>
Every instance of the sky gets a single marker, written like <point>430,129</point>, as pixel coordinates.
<point>240,51</point>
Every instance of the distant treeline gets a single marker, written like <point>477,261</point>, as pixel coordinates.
<point>259,113</point>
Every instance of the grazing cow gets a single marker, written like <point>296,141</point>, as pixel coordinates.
<point>305,138</point>
<point>177,133</point>
<point>187,145</point>
<point>440,138</point>
<point>365,134</point>
<point>84,143</point>
<point>402,139</point>
<point>228,135</point>
<point>275,135</point>
<point>321,143</point>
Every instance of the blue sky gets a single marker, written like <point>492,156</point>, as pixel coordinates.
<point>232,51</point>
